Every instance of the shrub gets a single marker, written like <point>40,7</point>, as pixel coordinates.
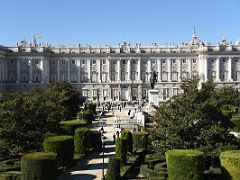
<point>113,171</point>
<point>88,116</point>
<point>227,113</point>
<point>10,175</point>
<point>230,162</point>
<point>121,150</point>
<point>185,164</point>
<point>81,140</point>
<point>62,146</point>
<point>128,135</point>
<point>94,140</point>
<point>10,165</point>
<point>139,140</point>
<point>71,125</point>
<point>38,166</point>
<point>236,121</point>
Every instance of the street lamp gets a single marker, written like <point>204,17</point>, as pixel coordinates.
<point>103,146</point>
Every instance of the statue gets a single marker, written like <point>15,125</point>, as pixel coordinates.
<point>153,79</point>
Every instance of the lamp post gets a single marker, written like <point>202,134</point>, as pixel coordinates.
<point>103,146</point>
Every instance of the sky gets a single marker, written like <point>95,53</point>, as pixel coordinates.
<point>101,22</point>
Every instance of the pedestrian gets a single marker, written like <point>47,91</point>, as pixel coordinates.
<point>120,108</point>
<point>117,133</point>
<point>114,137</point>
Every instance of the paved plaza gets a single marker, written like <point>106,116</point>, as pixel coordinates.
<point>91,167</point>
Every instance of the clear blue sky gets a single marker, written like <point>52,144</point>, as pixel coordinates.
<point>112,21</point>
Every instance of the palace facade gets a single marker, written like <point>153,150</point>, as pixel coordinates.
<point>120,73</point>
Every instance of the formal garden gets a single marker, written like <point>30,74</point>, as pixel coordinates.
<point>40,136</point>
<point>191,140</point>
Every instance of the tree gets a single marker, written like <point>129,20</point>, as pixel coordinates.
<point>27,118</point>
<point>194,120</point>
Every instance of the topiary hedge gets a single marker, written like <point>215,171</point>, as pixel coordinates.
<point>88,116</point>
<point>236,121</point>
<point>61,145</point>
<point>38,166</point>
<point>81,138</point>
<point>10,175</point>
<point>185,164</point>
<point>71,125</point>
<point>121,150</point>
<point>94,140</point>
<point>139,140</point>
<point>113,170</point>
<point>128,135</point>
<point>230,162</point>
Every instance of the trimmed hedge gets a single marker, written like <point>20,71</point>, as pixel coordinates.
<point>71,125</point>
<point>128,135</point>
<point>139,140</point>
<point>113,171</point>
<point>81,138</point>
<point>230,162</point>
<point>121,150</point>
<point>10,175</point>
<point>94,140</point>
<point>39,166</point>
<point>183,164</point>
<point>63,146</point>
<point>88,116</point>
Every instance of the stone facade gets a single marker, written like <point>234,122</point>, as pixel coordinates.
<point>120,73</point>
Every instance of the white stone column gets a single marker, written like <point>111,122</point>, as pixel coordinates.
<point>89,68</point>
<point>30,71</point>
<point>18,70</point>
<point>68,70</point>
<point>119,69</point>
<point>99,64</point>
<point>46,70</point>
<point>129,93</point>
<point>129,69</point>
<point>139,92</point>
<point>58,69</point>
<point>42,70</point>
<point>218,70</point>
<point>78,70</point>
<point>149,70</point>
<point>205,63</point>
<point>109,69</point>
<point>179,69</point>
<point>230,69</point>
<point>139,69</point>
<point>169,69</point>
<point>159,70</point>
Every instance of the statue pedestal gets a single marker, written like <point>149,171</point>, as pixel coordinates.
<point>153,95</point>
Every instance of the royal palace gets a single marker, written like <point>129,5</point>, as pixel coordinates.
<point>122,72</point>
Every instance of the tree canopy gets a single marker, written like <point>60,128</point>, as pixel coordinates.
<point>26,118</point>
<point>194,119</point>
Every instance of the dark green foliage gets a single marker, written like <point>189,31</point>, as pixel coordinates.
<point>31,116</point>
<point>227,113</point>
<point>152,174</point>
<point>81,140</point>
<point>185,164</point>
<point>11,175</point>
<point>61,145</point>
<point>236,123</point>
<point>91,107</point>
<point>121,150</point>
<point>230,162</point>
<point>113,171</point>
<point>88,116</point>
<point>139,140</point>
<point>128,135</point>
<point>194,120</point>
<point>71,125</point>
<point>38,166</point>
<point>10,165</point>
<point>94,140</point>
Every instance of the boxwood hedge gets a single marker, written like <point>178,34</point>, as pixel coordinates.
<point>128,135</point>
<point>139,140</point>
<point>113,171</point>
<point>230,162</point>
<point>121,150</point>
<point>71,125</point>
<point>61,145</point>
<point>38,166</point>
<point>185,164</point>
<point>81,138</point>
